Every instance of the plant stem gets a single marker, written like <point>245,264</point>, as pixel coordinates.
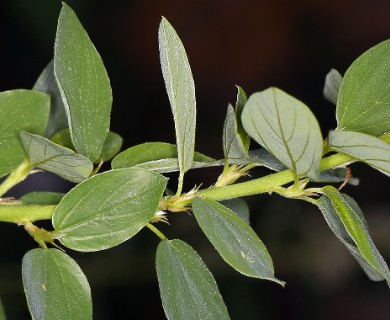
<point>19,213</point>
<point>267,183</point>
<point>16,176</point>
<point>156,231</point>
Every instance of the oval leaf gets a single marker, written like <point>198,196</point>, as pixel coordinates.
<point>107,209</point>
<point>188,289</point>
<point>42,198</point>
<point>47,83</point>
<point>234,239</point>
<point>181,91</point>
<point>111,146</point>
<point>51,157</point>
<point>285,127</point>
<point>20,110</point>
<point>332,86</point>
<point>84,85</point>
<point>364,101</point>
<point>353,221</point>
<point>55,286</point>
<point>157,156</point>
<point>363,147</point>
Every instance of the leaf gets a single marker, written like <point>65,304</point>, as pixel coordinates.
<point>234,240</point>
<point>51,157</point>
<point>347,221</point>
<point>240,103</point>
<point>363,147</point>
<point>20,110</point>
<point>47,83</point>
<point>239,207</point>
<point>157,156</point>
<point>233,145</point>
<point>267,159</point>
<point>108,209</point>
<point>55,286</point>
<point>42,198</point>
<point>337,175</point>
<point>364,100</point>
<point>286,128</point>
<point>332,85</point>
<point>63,138</point>
<point>111,146</point>
<point>181,91</point>
<point>2,312</point>
<point>188,289</point>
<point>84,85</point>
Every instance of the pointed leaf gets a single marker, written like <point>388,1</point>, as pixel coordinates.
<point>233,145</point>
<point>108,209</point>
<point>363,147</point>
<point>20,110</point>
<point>240,103</point>
<point>42,198</point>
<point>84,85</point>
<point>364,100</point>
<point>286,128</point>
<point>234,240</point>
<point>188,289</point>
<point>332,86</point>
<point>55,286</point>
<point>47,83</point>
<point>353,232</point>
<point>158,156</point>
<point>51,157</point>
<point>181,91</point>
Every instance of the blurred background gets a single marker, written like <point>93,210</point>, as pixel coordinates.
<point>252,43</point>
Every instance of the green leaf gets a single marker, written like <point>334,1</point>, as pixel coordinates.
<point>239,207</point>
<point>55,286</point>
<point>42,198</point>
<point>111,146</point>
<point>84,85</point>
<point>233,145</point>
<point>180,87</point>
<point>234,239</point>
<point>108,209</point>
<point>63,138</point>
<point>158,156</point>
<point>51,157</point>
<point>347,222</point>
<point>286,128</point>
<point>47,83</point>
<point>363,147</point>
<point>240,104</point>
<point>2,312</point>
<point>364,101</point>
<point>332,85</point>
<point>20,110</point>
<point>188,289</point>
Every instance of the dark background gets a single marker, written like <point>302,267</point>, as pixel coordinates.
<point>254,44</point>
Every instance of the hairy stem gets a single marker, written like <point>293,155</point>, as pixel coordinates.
<point>16,176</point>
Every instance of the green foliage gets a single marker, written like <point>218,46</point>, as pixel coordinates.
<point>55,286</point>
<point>21,110</point>
<point>105,209</point>
<point>188,289</point>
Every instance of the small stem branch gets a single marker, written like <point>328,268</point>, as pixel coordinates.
<point>20,213</point>
<point>156,231</point>
<point>16,176</point>
<point>267,183</point>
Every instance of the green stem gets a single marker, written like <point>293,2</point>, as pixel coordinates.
<point>16,176</point>
<point>19,213</point>
<point>267,183</point>
<point>156,231</point>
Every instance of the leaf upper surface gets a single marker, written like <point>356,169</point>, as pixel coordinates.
<point>108,209</point>
<point>55,286</point>
<point>286,128</point>
<point>364,97</point>
<point>84,85</point>
<point>188,289</point>
<point>181,91</point>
